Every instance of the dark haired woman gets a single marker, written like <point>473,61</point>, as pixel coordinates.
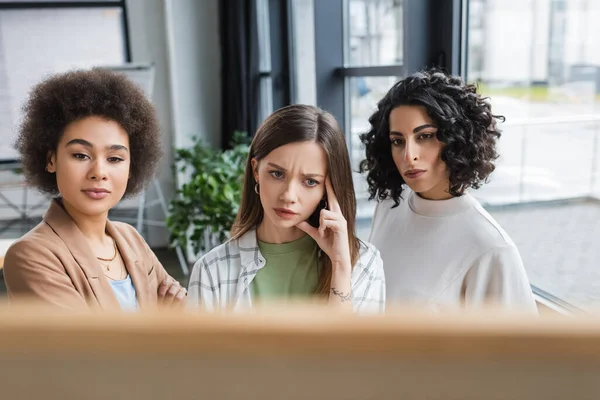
<point>294,233</point>
<point>433,138</point>
<point>88,138</point>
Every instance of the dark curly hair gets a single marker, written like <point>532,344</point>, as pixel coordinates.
<point>466,127</point>
<point>64,98</point>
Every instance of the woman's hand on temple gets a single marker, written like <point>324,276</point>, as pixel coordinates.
<point>332,234</point>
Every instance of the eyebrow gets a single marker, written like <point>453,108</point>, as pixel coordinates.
<point>416,130</point>
<point>91,146</point>
<point>283,169</point>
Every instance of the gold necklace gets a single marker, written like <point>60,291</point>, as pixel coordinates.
<point>110,260</point>
<point>120,273</point>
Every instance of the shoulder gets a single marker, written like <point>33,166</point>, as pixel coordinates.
<point>227,253</point>
<point>485,230</point>
<point>37,253</point>
<point>24,246</point>
<point>40,239</point>
<point>387,213</point>
<point>388,206</point>
<point>504,256</point>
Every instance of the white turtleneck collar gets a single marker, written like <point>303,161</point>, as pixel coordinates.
<point>439,208</point>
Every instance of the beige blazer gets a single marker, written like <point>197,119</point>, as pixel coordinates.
<point>54,263</point>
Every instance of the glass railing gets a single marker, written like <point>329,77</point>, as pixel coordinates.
<point>541,159</point>
<point>553,303</point>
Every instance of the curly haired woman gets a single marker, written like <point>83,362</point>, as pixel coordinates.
<point>432,138</point>
<point>88,138</point>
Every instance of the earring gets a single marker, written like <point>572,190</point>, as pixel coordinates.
<point>256,187</point>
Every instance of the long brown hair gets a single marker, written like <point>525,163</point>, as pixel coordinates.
<point>292,124</point>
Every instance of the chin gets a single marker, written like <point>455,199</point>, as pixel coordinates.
<point>286,224</point>
<point>93,207</point>
<point>280,223</point>
<point>420,188</point>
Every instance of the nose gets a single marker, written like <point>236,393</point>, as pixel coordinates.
<point>411,151</point>
<point>290,194</point>
<point>97,171</point>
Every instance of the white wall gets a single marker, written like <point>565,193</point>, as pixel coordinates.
<point>182,38</point>
<point>147,38</point>
<point>195,69</point>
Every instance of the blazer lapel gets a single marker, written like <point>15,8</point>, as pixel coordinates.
<point>64,226</point>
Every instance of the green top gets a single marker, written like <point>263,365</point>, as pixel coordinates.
<point>290,270</point>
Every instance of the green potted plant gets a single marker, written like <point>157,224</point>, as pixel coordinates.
<point>205,206</point>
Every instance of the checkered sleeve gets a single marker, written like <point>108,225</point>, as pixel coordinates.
<point>368,282</point>
<point>204,287</point>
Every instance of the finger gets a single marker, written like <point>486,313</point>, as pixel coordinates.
<point>181,295</point>
<point>308,229</point>
<point>164,286</point>
<point>333,225</point>
<point>331,197</point>
<point>327,214</point>
<point>174,289</point>
<point>322,226</point>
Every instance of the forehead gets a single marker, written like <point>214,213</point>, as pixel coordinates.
<point>96,130</point>
<point>304,157</point>
<point>406,118</point>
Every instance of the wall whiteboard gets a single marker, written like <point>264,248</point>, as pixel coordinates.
<point>35,43</point>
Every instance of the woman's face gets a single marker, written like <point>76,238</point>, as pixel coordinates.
<point>291,182</point>
<point>417,152</point>
<point>92,165</point>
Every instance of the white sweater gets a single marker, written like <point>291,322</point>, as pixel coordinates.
<point>448,253</point>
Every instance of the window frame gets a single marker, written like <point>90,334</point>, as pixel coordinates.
<point>276,67</point>
<point>426,44</point>
<point>29,5</point>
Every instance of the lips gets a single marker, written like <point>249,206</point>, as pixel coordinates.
<point>414,173</point>
<point>285,213</point>
<point>97,190</point>
<point>96,193</point>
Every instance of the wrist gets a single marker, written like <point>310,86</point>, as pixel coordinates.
<point>341,266</point>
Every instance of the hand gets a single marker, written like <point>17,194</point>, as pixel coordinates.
<point>170,292</point>
<point>332,234</point>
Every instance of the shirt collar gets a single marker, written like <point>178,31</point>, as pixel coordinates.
<point>440,208</point>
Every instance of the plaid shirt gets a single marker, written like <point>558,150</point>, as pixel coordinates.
<point>222,277</point>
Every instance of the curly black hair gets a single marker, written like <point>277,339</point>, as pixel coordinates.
<point>68,97</point>
<point>466,127</point>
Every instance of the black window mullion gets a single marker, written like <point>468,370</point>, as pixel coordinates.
<point>380,70</point>
<point>126,33</point>
<point>329,57</point>
<point>280,59</point>
<point>432,34</point>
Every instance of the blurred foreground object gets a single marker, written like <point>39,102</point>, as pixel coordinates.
<point>305,351</point>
